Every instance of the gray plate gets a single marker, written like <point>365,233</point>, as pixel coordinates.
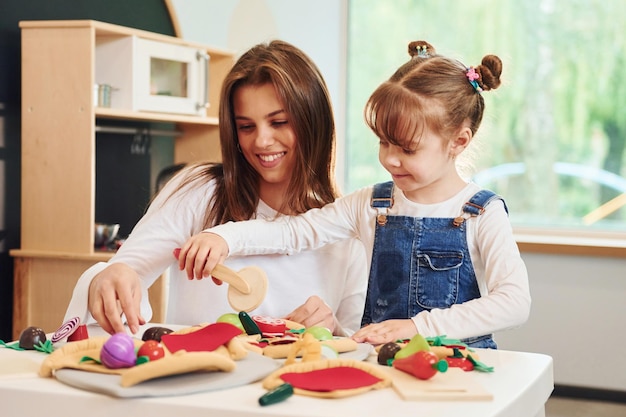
<point>252,368</point>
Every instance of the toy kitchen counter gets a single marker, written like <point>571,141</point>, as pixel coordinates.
<point>519,387</point>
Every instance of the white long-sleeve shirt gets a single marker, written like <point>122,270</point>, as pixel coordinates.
<point>500,271</point>
<point>336,273</point>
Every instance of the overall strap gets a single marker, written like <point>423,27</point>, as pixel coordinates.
<point>382,200</point>
<point>476,205</point>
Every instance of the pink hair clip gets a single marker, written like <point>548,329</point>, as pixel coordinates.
<point>472,76</point>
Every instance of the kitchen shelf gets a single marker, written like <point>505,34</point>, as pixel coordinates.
<point>59,65</point>
<point>108,113</point>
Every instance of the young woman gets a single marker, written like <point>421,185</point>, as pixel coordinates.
<point>277,138</point>
<point>441,252</point>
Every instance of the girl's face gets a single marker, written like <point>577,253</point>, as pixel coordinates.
<point>266,137</point>
<point>426,173</point>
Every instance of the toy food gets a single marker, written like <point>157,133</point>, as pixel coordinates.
<point>307,346</point>
<point>66,329</point>
<point>423,364</point>
<point>80,333</point>
<point>155,333</point>
<point>279,347</point>
<point>249,326</point>
<point>231,318</point>
<point>318,377</point>
<point>329,378</point>
<point>320,333</point>
<point>278,394</point>
<point>453,351</point>
<point>387,352</point>
<point>194,351</point>
<point>270,326</point>
<point>276,340</point>
<point>416,344</point>
<point>31,337</point>
<point>460,362</point>
<point>118,352</point>
<point>151,349</point>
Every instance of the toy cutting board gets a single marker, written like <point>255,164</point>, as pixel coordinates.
<point>455,384</point>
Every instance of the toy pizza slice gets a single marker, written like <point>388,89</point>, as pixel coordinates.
<point>278,336</point>
<point>330,378</point>
<point>279,348</point>
<point>213,348</point>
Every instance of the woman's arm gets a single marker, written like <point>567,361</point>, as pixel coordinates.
<point>350,311</point>
<point>123,281</point>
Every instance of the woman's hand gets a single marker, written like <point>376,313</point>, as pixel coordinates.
<point>314,312</point>
<point>201,253</point>
<point>386,331</point>
<point>113,292</point>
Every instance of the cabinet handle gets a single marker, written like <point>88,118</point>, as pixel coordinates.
<point>204,57</point>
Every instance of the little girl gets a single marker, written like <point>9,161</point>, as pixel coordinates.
<point>441,253</point>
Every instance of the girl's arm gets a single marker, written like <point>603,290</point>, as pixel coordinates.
<point>284,235</point>
<point>503,280</point>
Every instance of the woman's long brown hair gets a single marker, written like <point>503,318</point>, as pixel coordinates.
<point>304,95</point>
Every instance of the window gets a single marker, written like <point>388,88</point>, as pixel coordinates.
<point>553,137</point>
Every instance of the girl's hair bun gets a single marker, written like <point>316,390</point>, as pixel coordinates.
<point>490,69</point>
<point>421,49</point>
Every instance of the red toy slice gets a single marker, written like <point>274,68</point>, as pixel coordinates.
<point>206,339</point>
<point>330,379</point>
<point>270,326</point>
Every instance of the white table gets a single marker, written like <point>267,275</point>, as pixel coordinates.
<point>521,385</point>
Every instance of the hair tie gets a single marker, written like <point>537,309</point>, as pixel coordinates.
<point>421,51</point>
<point>472,76</point>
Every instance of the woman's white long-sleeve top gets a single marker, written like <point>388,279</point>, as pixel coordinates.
<point>500,270</point>
<point>337,273</point>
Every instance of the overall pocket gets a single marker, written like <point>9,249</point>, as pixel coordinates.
<point>438,278</point>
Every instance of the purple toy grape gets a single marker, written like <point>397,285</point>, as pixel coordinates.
<point>118,352</point>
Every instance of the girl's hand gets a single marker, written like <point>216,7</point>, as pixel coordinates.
<point>201,253</point>
<point>113,292</point>
<point>314,312</point>
<point>386,331</point>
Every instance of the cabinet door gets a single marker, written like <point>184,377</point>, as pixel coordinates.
<point>170,78</point>
<point>57,140</point>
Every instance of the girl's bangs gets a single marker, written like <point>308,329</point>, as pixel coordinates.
<point>395,117</point>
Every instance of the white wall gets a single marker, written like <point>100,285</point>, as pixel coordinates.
<point>578,302</point>
<point>317,27</point>
<point>578,317</point>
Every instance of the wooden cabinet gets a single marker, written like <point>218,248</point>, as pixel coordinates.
<point>59,65</point>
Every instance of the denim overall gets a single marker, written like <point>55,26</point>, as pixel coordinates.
<point>421,263</point>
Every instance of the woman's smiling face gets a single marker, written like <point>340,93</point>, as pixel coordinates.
<point>266,137</point>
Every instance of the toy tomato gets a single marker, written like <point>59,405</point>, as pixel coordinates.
<point>463,363</point>
<point>151,349</point>
<point>270,326</point>
<point>423,364</point>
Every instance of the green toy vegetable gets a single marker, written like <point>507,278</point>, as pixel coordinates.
<point>416,344</point>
